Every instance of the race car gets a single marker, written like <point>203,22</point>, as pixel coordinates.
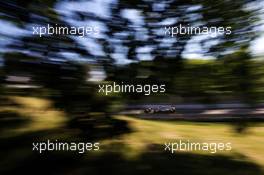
<point>162,109</point>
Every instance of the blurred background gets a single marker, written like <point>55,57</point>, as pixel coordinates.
<point>49,86</point>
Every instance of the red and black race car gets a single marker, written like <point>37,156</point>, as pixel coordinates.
<point>162,109</point>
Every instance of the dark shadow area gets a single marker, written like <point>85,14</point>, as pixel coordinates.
<point>6,102</point>
<point>79,129</point>
<point>99,127</point>
<point>11,120</point>
<point>17,155</point>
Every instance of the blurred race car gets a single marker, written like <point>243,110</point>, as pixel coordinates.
<point>164,110</point>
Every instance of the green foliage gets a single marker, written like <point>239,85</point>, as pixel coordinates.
<point>236,77</point>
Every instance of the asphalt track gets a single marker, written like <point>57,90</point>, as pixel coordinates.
<point>200,112</point>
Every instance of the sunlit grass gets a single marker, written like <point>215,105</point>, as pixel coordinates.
<point>39,112</point>
<point>147,133</point>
